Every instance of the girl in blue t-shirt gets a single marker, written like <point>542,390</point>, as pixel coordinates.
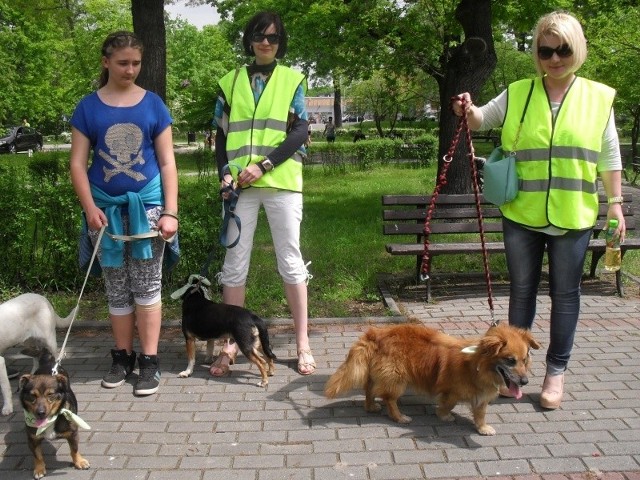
<point>131,187</point>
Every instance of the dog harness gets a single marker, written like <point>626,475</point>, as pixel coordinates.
<point>46,427</point>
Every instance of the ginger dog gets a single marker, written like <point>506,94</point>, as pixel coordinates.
<point>386,360</point>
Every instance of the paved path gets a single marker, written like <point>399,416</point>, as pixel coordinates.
<point>204,428</point>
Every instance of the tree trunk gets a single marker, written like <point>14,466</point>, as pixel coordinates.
<point>467,67</point>
<point>148,25</point>
<point>337,103</point>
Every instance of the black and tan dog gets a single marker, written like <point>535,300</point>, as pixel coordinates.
<point>50,409</point>
<point>203,319</point>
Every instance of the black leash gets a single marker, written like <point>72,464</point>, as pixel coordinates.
<point>229,204</point>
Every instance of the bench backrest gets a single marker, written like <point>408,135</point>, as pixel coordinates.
<point>457,213</point>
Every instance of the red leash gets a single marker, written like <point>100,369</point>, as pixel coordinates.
<point>463,126</point>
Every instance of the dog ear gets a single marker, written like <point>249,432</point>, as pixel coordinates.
<point>63,382</point>
<point>532,341</point>
<point>491,345</point>
<point>24,379</point>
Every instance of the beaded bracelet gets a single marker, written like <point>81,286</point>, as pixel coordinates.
<point>618,199</point>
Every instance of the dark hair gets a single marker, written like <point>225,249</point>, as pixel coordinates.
<point>258,24</point>
<point>116,41</point>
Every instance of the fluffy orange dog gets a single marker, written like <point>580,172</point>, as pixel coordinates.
<point>386,360</point>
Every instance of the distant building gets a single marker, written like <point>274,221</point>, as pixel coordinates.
<point>319,109</point>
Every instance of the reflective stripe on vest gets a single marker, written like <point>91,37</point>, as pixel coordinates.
<point>255,130</point>
<point>557,160</point>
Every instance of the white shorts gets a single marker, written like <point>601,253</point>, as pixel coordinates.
<point>284,213</point>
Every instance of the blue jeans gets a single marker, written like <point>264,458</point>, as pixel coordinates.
<point>566,254</point>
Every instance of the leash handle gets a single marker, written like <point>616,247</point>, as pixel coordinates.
<point>229,205</point>
<point>140,236</point>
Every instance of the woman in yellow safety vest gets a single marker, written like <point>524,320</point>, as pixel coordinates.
<point>262,126</point>
<point>568,138</point>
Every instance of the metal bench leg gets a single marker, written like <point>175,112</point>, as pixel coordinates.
<point>619,285</point>
<point>595,258</point>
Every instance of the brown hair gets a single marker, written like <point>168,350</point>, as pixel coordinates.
<point>115,41</point>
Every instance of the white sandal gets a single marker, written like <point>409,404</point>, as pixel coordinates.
<point>306,367</point>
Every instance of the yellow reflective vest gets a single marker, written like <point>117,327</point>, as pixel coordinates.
<point>257,128</point>
<point>556,159</point>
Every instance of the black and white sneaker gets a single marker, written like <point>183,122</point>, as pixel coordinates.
<point>12,373</point>
<point>149,376</point>
<point>121,368</point>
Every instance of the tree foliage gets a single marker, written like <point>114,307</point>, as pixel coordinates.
<point>50,51</point>
<point>614,50</point>
<point>196,59</point>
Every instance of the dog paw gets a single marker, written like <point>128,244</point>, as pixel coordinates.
<point>446,417</point>
<point>38,474</point>
<point>373,407</point>
<point>184,374</point>
<point>82,464</point>
<point>403,419</point>
<point>7,409</point>
<point>263,383</point>
<point>486,430</point>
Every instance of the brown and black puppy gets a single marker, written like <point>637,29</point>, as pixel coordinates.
<point>386,360</point>
<point>203,319</point>
<point>47,400</point>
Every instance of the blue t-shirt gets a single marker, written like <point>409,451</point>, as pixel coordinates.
<point>124,157</point>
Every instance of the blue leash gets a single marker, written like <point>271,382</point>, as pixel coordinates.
<point>229,204</point>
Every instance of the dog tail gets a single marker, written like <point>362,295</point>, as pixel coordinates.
<point>264,337</point>
<point>65,322</point>
<point>354,372</point>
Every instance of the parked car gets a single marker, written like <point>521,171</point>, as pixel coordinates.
<point>352,119</point>
<point>20,139</point>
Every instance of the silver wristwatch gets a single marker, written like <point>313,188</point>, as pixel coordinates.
<point>267,164</point>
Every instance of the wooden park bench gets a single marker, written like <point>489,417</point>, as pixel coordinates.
<point>455,231</point>
<point>488,136</point>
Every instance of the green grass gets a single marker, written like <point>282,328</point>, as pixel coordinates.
<point>341,236</point>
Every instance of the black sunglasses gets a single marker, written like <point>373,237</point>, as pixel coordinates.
<point>563,51</point>
<point>272,38</point>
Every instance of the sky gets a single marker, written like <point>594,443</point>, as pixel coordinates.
<point>198,16</point>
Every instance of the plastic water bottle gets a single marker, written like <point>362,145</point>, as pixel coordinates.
<point>612,255</point>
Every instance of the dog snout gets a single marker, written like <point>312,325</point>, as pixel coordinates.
<point>523,380</point>
<point>41,411</point>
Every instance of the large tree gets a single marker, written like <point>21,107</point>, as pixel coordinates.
<point>148,24</point>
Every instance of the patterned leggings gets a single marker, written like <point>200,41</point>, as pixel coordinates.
<point>136,281</point>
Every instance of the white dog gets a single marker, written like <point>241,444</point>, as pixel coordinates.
<point>29,317</point>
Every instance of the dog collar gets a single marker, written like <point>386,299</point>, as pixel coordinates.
<point>47,424</point>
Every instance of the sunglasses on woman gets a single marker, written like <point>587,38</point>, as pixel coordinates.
<point>563,51</point>
<point>272,38</point>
